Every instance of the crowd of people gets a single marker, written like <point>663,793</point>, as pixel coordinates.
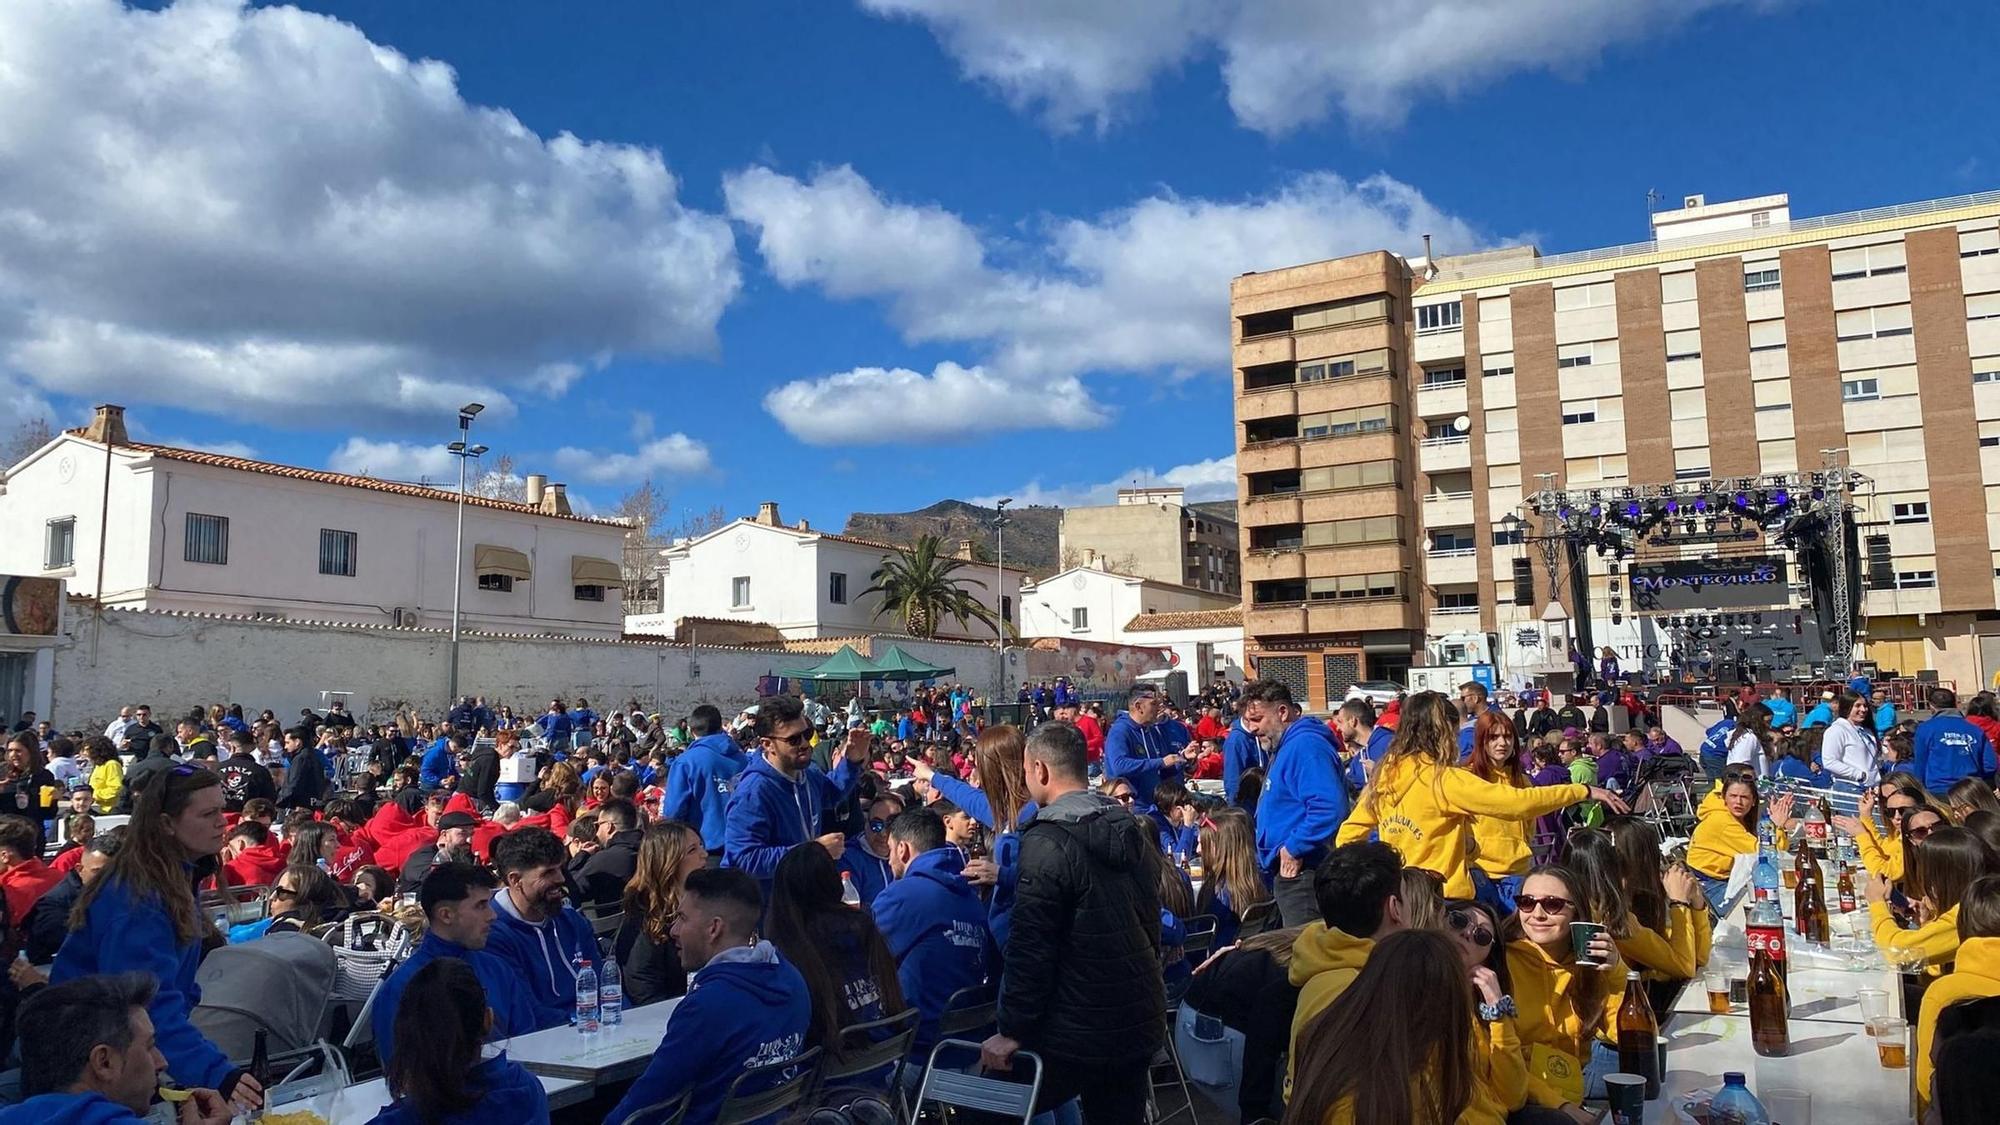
<point>805,874</point>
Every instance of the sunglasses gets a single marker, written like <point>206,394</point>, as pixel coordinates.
<point>1546,904</point>
<point>1124,798</point>
<point>1919,833</point>
<point>1471,925</point>
<point>794,740</point>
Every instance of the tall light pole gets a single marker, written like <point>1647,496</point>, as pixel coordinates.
<point>1000,596</point>
<point>464,450</point>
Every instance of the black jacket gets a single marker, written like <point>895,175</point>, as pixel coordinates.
<point>305,781</point>
<point>481,773</point>
<point>137,737</point>
<point>603,876</point>
<point>1082,962</point>
<point>1248,990</point>
<point>651,970</point>
<point>141,772</point>
<point>244,779</point>
<point>48,919</point>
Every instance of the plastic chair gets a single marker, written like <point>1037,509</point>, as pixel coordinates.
<point>669,1112</point>
<point>794,1080</point>
<point>957,1089</point>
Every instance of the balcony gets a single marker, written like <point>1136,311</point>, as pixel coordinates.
<point>1268,564</point>
<point>1444,398</point>
<point>1347,616</point>
<point>1264,456</point>
<point>1268,402</point>
<point>1445,454</point>
<point>1452,619</point>
<point>1275,508</point>
<point>1447,509</point>
<point>1457,566</point>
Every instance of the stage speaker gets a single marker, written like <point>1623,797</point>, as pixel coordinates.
<point>1881,564</point>
<point>1524,582</point>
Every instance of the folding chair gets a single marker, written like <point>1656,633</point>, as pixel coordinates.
<point>861,1051</point>
<point>1257,919</point>
<point>669,1112</point>
<point>970,1010</point>
<point>1200,937</point>
<point>794,1078</point>
<point>970,1090</point>
<point>1166,1072</point>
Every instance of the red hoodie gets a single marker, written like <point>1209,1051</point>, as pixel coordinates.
<point>24,883</point>
<point>395,835</point>
<point>1210,727</point>
<point>483,837</point>
<point>1093,735</point>
<point>459,802</point>
<point>256,865</point>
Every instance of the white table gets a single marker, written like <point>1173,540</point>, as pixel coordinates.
<point>1821,995</point>
<point>611,1055</point>
<point>359,1103</point>
<point>1835,1062</point>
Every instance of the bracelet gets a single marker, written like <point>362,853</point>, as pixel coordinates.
<point>1501,1010</point>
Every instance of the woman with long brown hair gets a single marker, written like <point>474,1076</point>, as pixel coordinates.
<point>1000,802</point>
<point>645,948</point>
<point>1562,1004</point>
<point>848,969</point>
<point>141,913</point>
<point>1670,929</point>
<point>1423,802</point>
<point>1941,867</point>
<point>1374,1056</point>
<point>1231,882</point>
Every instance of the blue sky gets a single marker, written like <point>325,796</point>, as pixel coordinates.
<point>850,254</point>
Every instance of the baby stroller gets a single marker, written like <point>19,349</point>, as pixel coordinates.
<point>1667,792</point>
<point>279,984</point>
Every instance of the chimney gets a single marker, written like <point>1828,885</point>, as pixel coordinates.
<point>534,488</point>
<point>107,425</point>
<point>555,500</point>
<point>805,525</point>
<point>1090,557</point>
<point>767,513</point>
<point>965,549</point>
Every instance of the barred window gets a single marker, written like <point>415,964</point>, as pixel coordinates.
<point>336,552</point>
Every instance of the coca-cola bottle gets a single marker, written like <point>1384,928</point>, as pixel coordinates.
<point>1770,1016</point>
<point>1764,931</point>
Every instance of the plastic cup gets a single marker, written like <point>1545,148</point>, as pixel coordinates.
<point>1892,1043</point>
<point>1788,1104</point>
<point>1581,934</point>
<point>1717,984</point>
<point>1875,1007</point>
<point>1739,990</point>
<point>1627,1095</point>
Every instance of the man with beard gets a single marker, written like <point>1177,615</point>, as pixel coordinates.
<point>536,932</point>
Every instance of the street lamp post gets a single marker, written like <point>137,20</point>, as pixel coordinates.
<point>1000,596</point>
<point>464,450</point>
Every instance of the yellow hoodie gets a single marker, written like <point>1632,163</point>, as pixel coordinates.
<point>1548,1018</point>
<point>1324,962</point>
<point>1881,855</point>
<point>1678,954</point>
<point>1503,840</point>
<point>1499,1087</point>
<point>1977,975</point>
<point>1425,811</point>
<point>1938,938</point>
<point>1718,839</point>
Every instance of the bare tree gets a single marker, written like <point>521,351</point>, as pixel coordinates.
<point>698,524</point>
<point>645,509</point>
<point>29,435</point>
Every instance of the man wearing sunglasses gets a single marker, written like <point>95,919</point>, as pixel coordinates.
<point>781,799</point>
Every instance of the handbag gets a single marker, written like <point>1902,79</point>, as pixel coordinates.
<point>363,957</point>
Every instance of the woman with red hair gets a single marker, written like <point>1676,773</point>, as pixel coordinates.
<point>1504,855</point>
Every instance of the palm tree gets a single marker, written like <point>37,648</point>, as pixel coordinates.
<point>920,584</point>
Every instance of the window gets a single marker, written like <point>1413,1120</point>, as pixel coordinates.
<point>1587,353</point>
<point>1360,474</point>
<point>1692,471</point>
<point>1458,599</point>
<point>498,583</point>
<point>1446,541</point>
<point>836,588</point>
<point>1860,390</point>
<point>1875,323</point>
<point>739,592</point>
<point>1982,306</point>
<point>1006,607</point>
<point>1338,313</point>
<point>1992,372</point>
<point>1687,404</point>
<point>1580,411</point>
<point>1989,435</point>
<point>1758,279</point>
<point>1079,618</point>
<point>1494,366</point>
<point>1772,394</point>
<point>1760,218</point>
<point>1868,261</point>
<point>588,593</point>
<point>1916,579</point>
<point>1354,586</point>
<point>1343,423</point>
<point>1676,287</point>
<point>1978,243</point>
<point>1341,367</point>
<point>1444,377</point>
<point>1597,294</point>
<point>1503,421</point>
<point>1684,344</point>
<point>1507,536</point>
<point>1340,533</point>
<point>1912,511</point>
<point>1767,335</point>
<point>336,552</point>
<point>1496,308</point>
<point>60,549</point>
<point>207,539</point>
<point>1447,317</point>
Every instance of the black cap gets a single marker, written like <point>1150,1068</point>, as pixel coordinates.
<point>457,820</point>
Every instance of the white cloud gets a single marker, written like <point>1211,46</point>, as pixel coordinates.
<point>1286,63</point>
<point>872,406</point>
<point>675,454</point>
<point>1143,289</point>
<point>235,209</point>
<point>393,460</point>
<point>1213,479</point>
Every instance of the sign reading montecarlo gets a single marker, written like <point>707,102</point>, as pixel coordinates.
<point>1679,585</point>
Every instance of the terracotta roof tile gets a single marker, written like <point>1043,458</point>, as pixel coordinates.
<point>1231,618</point>
<point>321,476</point>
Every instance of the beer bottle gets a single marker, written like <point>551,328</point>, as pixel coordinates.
<point>1814,923</point>
<point>1770,1031</point>
<point>1639,1035</point>
<point>1846,889</point>
<point>1808,874</point>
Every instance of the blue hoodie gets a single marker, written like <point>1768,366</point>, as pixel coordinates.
<point>1948,748</point>
<point>745,1008</point>
<point>543,956</point>
<point>870,871</point>
<point>936,928</point>
<point>513,1008</point>
<point>69,1109</point>
<point>1305,801</point>
<point>122,933</point>
<point>698,785</point>
<point>973,800</point>
<point>1140,754</point>
<point>438,764</point>
<point>509,1095</point>
<point>1240,751</point>
<point>769,813</point>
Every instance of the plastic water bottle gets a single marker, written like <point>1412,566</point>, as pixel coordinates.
<point>611,994</point>
<point>1734,1104</point>
<point>848,894</point>
<point>586,997</point>
<point>1764,878</point>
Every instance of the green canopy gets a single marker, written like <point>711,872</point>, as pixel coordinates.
<point>845,665</point>
<point>895,664</point>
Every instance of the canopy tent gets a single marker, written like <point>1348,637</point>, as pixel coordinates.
<point>845,665</point>
<point>899,665</point>
<point>491,558</point>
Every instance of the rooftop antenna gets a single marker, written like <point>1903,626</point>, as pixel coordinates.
<point>1653,199</point>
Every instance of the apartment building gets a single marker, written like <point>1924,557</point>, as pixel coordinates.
<point>1738,341</point>
<point>1155,533</point>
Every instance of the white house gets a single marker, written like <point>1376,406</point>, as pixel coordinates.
<point>201,532</point>
<point>1204,629</point>
<point>804,583</point>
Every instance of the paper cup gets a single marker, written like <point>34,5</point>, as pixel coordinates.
<point>1627,1095</point>
<point>1580,936</point>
